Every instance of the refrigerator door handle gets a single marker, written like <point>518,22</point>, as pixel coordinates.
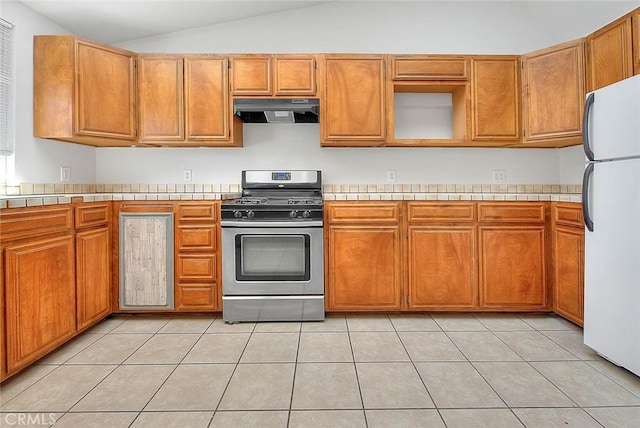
<point>588,105</point>
<point>586,179</point>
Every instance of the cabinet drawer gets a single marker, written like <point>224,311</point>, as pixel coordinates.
<point>196,297</point>
<point>568,214</point>
<point>24,223</point>
<point>438,212</point>
<point>524,212</point>
<point>204,212</point>
<point>196,238</point>
<point>429,68</point>
<point>201,268</point>
<point>91,215</point>
<point>364,212</point>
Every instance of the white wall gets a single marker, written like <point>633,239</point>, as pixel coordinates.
<point>37,160</point>
<point>297,147</point>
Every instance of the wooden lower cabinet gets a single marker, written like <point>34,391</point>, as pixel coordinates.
<point>198,270</point>
<point>364,268</point>
<point>39,297</point>
<point>568,261</point>
<point>93,276</point>
<point>441,266</point>
<point>512,267</point>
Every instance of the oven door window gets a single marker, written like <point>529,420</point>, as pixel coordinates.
<point>272,257</point>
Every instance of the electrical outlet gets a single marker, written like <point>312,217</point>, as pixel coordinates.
<point>499,176</point>
<point>65,173</point>
<point>187,175</point>
<point>391,176</point>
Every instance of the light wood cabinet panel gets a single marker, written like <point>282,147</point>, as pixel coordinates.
<point>207,107</point>
<point>294,75</point>
<point>495,98</point>
<point>429,67</point>
<point>84,92</point>
<point>364,268</point>
<point>93,276</point>
<point>161,104</point>
<point>202,212</point>
<point>39,297</point>
<point>353,106</point>
<point>568,214</point>
<point>554,92</point>
<point>251,75</point>
<point>568,266</point>
<point>441,266</point>
<point>610,54</point>
<point>512,267</point>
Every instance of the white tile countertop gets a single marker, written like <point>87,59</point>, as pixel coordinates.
<point>28,195</point>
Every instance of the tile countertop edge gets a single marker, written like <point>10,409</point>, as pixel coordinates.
<point>21,201</point>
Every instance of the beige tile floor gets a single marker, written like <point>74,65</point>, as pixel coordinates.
<point>423,370</point>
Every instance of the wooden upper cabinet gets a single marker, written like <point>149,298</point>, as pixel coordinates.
<point>160,89</point>
<point>429,67</point>
<point>251,75</point>
<point>610,54</point>
<point>207,99</point>
<point>84,92</point>
<point>294,75</point>
<point>267,75</point>
<point>554,93</point>
<point>184,101</point>
<point>495,98</point>
<point>353,106</point>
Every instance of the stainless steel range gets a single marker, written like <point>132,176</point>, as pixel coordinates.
<point>273,248</point>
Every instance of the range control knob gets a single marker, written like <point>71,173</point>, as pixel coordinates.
<point>237,214</point>
<point>293,214</point>
<point>306,214</point>
<point>251,214</point>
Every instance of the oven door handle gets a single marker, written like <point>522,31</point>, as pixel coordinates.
<point>251,223</point>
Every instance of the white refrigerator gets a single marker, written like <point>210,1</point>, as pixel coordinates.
<point>611,205</point>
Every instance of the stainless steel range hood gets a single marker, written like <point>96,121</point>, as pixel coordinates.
<point>277,110</point>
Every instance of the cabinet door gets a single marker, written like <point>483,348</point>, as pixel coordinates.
<point>251,75</point>
<point>294,75</point>
<point>568,247</point>
<point>495,98</point>
<point>512,267</point>
<point>354,102</point>
<point>105,92</point>
<point>442,271</point>
<point>93,276</point>
<point>429,67</point>
<point>554,93</point>
<point>160,105</point>
<point>207,98</point>
<point>146,261</point>
<point>610,54</point>
<point>635,19</point>
<point>364,268</point>
<point>39,297</point>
